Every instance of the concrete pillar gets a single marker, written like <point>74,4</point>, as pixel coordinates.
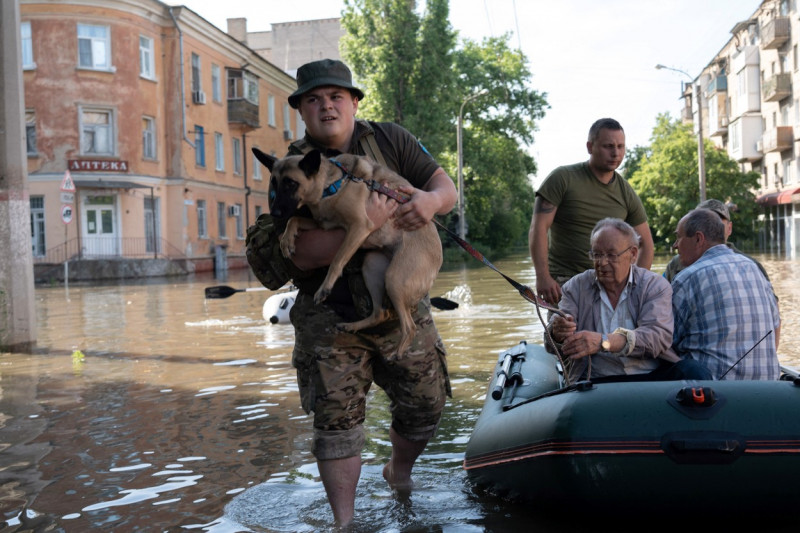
<point>17,310</point>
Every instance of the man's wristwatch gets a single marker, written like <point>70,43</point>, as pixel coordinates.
<point>605,344</point>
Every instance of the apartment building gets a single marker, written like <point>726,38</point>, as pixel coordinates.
<point>750,104</point>
<point>140,119</point>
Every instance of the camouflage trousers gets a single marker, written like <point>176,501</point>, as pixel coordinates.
<point>335,370</point>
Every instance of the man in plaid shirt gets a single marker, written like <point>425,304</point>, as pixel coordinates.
<point>723,305</point>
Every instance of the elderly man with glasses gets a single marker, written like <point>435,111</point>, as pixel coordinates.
<point>618,324</point>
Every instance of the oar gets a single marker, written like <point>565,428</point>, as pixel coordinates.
<point>442,303</point>
<point>223,291</point>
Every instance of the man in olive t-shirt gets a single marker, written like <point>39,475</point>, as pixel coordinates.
<point>572,200</point>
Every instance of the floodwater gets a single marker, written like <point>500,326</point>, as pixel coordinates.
<point>149,408</point>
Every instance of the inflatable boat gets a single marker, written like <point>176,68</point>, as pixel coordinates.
<point>730,447</point>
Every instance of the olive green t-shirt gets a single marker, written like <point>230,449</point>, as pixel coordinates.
<point>581,201</point>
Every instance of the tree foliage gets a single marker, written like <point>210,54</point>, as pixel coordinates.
<point>665,177</point>
<point>413,74</point>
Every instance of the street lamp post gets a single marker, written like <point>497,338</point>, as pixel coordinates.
<point>701,154</point>
<point>462,232</point>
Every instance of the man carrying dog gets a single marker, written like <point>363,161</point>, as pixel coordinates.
<point>569,203</point>
<point>335,369</point>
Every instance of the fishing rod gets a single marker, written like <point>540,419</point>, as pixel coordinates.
<point>745,355</point>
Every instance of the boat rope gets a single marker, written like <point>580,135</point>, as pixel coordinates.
<point>745,354</point>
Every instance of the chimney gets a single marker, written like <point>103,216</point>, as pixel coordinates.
<point>237,28</point>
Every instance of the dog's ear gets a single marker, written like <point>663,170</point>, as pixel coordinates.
<point>265,159</point>
<point>310,163</point>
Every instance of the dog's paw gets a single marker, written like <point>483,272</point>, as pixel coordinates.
<point>287,246</point>
<point>321,295</point>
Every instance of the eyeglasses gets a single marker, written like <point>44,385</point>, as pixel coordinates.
<point>611,258</point>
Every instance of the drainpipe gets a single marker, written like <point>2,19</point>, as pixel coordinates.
<point>183,83</point>
<point>246,188</point>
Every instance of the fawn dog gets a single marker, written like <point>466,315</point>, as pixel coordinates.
<point>404,264</point>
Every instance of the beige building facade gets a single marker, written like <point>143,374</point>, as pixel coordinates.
<point>140,119</point>
<point>750,104</point>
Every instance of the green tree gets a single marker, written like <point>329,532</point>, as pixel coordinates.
<point>413,74</point>
<point>403,60</point>
<point>668,184</point>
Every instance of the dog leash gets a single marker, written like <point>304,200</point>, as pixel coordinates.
<point>525,291</point>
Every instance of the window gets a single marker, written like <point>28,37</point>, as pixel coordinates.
<point>30,132</point>
<point>239,222</point>
<point>199,147</point>
<point>152,234</point>
<point>27,46</point>
<point>260,210</point>
<point>271,110</point>
<point>196,84</point>
<point>242,84</point>
<point>219,153</point>
<point>287,122</point>
<point>300,128</point>
<point>216,84</point>
<point>202,223</point>
<point>237,156</point>
<point>94,47</point>
<point>97,132</point>
<point>256,168</point>
<point>147,66</point>
<point>223,232</point>
<point>37,226</point>
<point>148,138</point>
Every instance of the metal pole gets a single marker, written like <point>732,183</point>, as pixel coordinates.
<point>701,153</point>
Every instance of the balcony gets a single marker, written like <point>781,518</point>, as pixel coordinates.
<point>717,85</point>
<point>777,88</point>
<point>242,111</point>
<point>777,139</point>
<point>775,33</point>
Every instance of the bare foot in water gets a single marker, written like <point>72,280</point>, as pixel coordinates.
<point>399,485</point>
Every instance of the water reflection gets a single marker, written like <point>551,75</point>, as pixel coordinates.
<point>149,408</point>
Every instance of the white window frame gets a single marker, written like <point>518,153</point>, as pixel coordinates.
<point>30,133</point>
<point>287,119</point>
<point>149,138</point>
<point>219,152</point>
<point>300,126</point>
<point>239,223</point>
<point>236,145</point>
<point>202,220</point>
<point>216,83</point>
<point>271,111</point>
<point>38,225</point>
<point>99,46</point>
<point>100,131</point>
<point>256,168</point>
<point>147,57</point>
<point>222,213</point>
<point>197,73</point>
<point>26,44</point>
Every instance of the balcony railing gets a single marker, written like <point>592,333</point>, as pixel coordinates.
<point>777,139</point>
<point>109,248</point>
<point>243,111</point>
<point>777,87</point>
<point>717,85</point>
<point>775,32</point>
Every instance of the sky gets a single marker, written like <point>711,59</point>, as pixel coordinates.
<point>593,58</point>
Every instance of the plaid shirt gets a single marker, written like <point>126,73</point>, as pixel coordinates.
<point>723,305</point>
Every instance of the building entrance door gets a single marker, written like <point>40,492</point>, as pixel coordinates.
<point>99,227</point>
